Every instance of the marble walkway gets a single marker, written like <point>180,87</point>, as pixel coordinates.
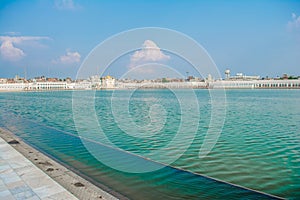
<point>20,179</point>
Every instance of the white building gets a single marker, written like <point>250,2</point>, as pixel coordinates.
<point>80,85</point>
<point>47,86</point>
<point>3,80</point>
<point>108,82</point>
<point>258,84</point>
<point>286,83</point>
<point>95,81</point>
<point>12,86</point>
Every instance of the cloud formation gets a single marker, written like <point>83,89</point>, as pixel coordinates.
<point>149,52</point>
<point>12,33</point>
<point>66,5</point>
<point>294,24</point>
<point>146,63</point>
<point>68,58</point>
<point>9,51</point>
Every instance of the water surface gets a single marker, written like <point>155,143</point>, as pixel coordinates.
<point>258,147</point>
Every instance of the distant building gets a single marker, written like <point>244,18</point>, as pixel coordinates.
<point>241,76</point>
<point>108,82</point>
<point>240,81</point>
<point>52,79</point>
<point>18,79</point>
<point>69,80</point>
<point>12,86</point>
<point>80,85</point>
<point>40,79</point>
<point>46,85</point>
<point>227,74</point>
<point>209,78</point>
<point>195,79</point>
<point>285,76</point>
<point>95,81</point>
<point>256,84</point>
<point>3,80</point>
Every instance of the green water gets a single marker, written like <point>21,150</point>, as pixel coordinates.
<point>259,146</point>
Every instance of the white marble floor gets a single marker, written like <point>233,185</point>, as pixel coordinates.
<point>20,179</point>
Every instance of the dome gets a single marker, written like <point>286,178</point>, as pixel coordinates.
<point>227,71</point>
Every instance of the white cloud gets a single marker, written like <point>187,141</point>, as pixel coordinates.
<point>12,33</point>
<point>9,51</point>
<point>294,24</point>
<point>146,62</point>
<point>68,58</point>
<point>149,52</point>
<point>66,5</point>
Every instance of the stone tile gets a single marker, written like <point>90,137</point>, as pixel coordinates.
<point>12,186</point>
<point>2,187</point>
<point>60,196</point>
<point>21,179</point>
<point>4,167</point>
<point>6,153</point>
<point>24,170</point>
<point>48,190</point>
<point>18,162</point>
<point>33,198</point>
<point>6,195</point>
<point>30,172</point>
<point>19,189</point>
<point>6,171</point>
<point>24,195</point>
<point>10,177</point>
<point>2,162</point>
<point>3,146</point>
<point>37,181</point>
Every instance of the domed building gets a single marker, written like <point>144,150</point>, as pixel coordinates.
<point>108,82</point>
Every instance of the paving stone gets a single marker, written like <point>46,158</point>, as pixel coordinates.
<point>59,196</point>
<point>33,198</point>
<point>20,189</point>
<point>24,195</point>
<point>6,195</point>
<point>20,179</point>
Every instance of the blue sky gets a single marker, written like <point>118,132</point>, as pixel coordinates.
<point>52,38</point>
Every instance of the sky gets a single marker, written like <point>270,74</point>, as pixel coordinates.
<point>53,37</point>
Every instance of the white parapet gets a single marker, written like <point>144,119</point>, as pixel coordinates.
<point>47,86</point>
<point>13,86</point>
<point>250,84</point>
